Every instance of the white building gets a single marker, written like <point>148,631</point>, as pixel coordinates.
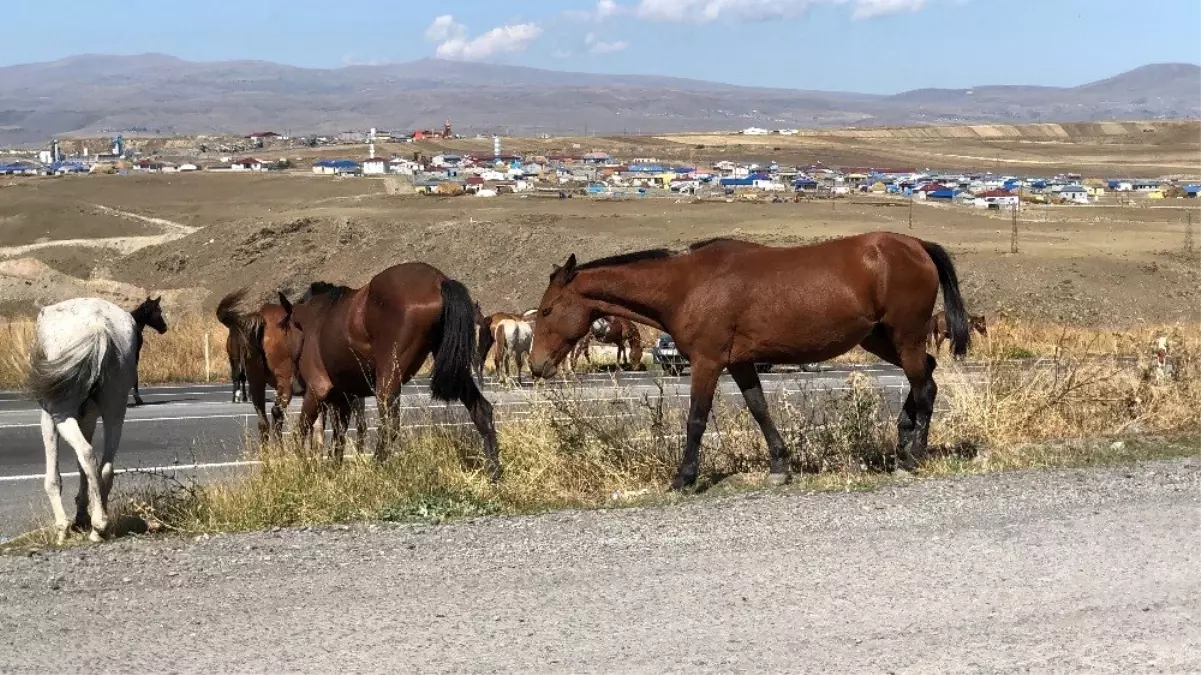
<point>755,131</point>
<point>375,166</point>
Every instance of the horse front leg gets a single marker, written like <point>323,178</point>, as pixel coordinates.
<point>752,390</point>
<point>704,384</point>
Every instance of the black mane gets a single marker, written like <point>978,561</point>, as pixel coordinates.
<point>626,258</point>
<point>323,288</point>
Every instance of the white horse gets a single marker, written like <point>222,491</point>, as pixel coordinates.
<point>82,368</point>
<point>514,339</point>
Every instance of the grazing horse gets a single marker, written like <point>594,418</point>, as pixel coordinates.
<point>730,305</point>
<point>368,341</point>
<point>940,332</point>
<point>149,313</point>
<point>82,369</point>
<point>612,330</point>
<point>259,357</point>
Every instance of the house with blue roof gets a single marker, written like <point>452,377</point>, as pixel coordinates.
<point>336,166</point>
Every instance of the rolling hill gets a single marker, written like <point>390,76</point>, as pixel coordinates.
<point>161,94</point>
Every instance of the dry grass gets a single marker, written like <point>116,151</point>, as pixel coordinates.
<point>575,451</point>
<point>624,450</point>
<point>175,356</point>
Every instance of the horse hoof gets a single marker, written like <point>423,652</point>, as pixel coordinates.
<point>682,483</point>
<point>778,479</point>
<point>95,537</point>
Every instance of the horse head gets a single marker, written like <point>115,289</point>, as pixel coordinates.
<point>563,318</point>
<point>150,313</point>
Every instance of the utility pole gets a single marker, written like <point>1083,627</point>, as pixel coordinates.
<point>1189,244</point>
<point>911,210</point>
<point>1013,240</point>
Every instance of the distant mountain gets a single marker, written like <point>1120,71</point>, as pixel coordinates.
<point>156,93</point>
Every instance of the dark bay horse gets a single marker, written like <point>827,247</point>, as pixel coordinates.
<point>731,304</point>
<point>611,330</point>
<point>149,313</point>
<point>259,357</point>
<point>356,342</point>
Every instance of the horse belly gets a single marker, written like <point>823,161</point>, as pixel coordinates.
<point>803,329</point>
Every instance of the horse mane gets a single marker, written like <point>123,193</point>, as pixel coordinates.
<point>627,258</point>
<point>323,288</point>
<point>649,254</point>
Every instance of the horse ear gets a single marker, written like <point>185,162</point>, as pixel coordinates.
<point>158,299</point>
<point>283,302</point>
<point>569,268</point>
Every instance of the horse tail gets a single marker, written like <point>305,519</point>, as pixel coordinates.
<point>246,328</point>
<point>451,378</point>
<point>79,370</point>
<point>957,322</point>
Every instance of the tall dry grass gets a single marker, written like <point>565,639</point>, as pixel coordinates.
<point>175,356</point>
<point>571,450</point>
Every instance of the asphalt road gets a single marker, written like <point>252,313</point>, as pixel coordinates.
<point>195,428</point>
<point>1038,571</point>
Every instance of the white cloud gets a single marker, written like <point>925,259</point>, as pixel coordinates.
<point>703,11</point>
<point>598,46</point>
<point>869,9</point>
<point>444,28</point>
<point>606,9</point>
<point>454,43</point>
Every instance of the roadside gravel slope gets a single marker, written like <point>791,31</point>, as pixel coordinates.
<point>1092,570</point>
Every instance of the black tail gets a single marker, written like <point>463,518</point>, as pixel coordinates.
<point>456,347</point>
<point>957,325</point>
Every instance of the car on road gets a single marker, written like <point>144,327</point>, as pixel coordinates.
<point>668,357</point>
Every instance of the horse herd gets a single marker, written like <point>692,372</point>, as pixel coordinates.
<point>729,305</point>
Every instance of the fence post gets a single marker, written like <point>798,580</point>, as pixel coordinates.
<point>207,370</point>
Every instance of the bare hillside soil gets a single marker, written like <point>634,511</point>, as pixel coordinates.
<point>1097,265</point>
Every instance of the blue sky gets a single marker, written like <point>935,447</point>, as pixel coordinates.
<point>874,46</point>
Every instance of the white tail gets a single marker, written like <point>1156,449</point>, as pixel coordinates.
<point>78,369</point>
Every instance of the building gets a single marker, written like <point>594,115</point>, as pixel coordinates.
<point>1074,194</point>
<point>995,199</point>
<point>754,131</point>
<point>375,166</point>
<point>248,164</point>
<point>336,166</point>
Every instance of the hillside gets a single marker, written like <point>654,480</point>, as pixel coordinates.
<point>160,94</point>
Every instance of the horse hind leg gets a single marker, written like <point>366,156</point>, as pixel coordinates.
<point>53,482</point>
<point>86,456</point>
<point>481,416</point>
<point>913,423</point>
<point>87,426</point>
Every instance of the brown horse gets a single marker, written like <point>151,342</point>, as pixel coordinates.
<point>730,304</point>
<point>940,332</point>
<point>611,330</point>
<point>259,357</point>
<point>356,342</point>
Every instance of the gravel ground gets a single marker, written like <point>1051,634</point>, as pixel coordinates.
<point>1092,570</point>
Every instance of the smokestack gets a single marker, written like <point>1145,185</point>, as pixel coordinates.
<point>372,147</point>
